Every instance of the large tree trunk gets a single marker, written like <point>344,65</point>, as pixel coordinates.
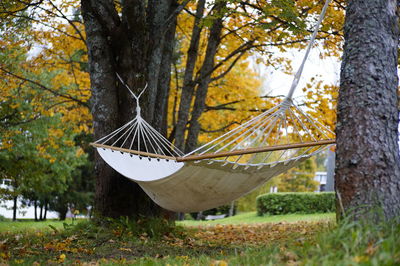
<point>122,45</point>
<point>62,213</point>
<point>367,166</point>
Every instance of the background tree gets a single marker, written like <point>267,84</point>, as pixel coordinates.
<point>37,148</point>
<point>367,165</point>
<point>300,178</point>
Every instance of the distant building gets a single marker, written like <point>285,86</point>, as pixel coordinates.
<point>330,169</point>
<point>273,189</point>
<point>6,184</point>
<point>321,178</point>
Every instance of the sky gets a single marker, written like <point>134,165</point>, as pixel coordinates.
<point>276,82</point>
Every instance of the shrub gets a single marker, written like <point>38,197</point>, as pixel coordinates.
<point>295,202</point>
<point>3,219</point>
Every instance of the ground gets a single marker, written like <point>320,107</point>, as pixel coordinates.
<point>245,240</point>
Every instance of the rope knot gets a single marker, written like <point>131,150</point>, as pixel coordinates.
<point>134,95</point>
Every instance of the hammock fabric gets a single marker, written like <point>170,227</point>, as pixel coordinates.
<point>224,169</point>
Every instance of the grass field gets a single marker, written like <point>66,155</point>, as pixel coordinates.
<point>26,225</point>
<point>251,217</point>
<point>245,239</point>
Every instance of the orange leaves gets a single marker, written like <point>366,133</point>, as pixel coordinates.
<point>65,246</point>
<point>247,234</point>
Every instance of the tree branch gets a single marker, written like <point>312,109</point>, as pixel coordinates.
<point>69,21</point>
<point>229,68</point>
<point>175,13</point>
<point>220,129</point>
<point>45,88</point>
<point>222,106</point>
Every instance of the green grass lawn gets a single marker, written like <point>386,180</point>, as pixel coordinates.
<point>29,225</point>
<point>25,225</point>
<point>251,217</point>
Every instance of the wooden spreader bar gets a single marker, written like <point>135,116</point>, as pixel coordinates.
<point>220,154</point>
<point>255,150</point>
<point>141,153</point>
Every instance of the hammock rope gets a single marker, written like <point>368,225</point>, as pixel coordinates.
<point>145,139</point>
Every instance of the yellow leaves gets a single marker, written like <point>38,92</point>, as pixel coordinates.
<point>84,128</point>
<point>65,245</point>
<point>360,259</point>
<point>219,263</point>
<point>56,132</point>
<point>40,148</point>
<point>21,261</point>
<point>249,234</point>
<point>125,249</point>
<point>61,258</point>
<point>15,105</point>
<point>5,255</point>
<point>69,143</point>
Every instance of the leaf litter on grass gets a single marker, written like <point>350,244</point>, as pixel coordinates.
<point>214,242</point>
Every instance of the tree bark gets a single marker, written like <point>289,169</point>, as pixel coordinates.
<point>205,78</point>
<point>41,212</point>
<point>160,121</point>
<point>188,84</point>
<point>45,210</point>
<point>62,213</point>
<point>15,199</point>
<point>157,15</point>
<point>367,176</point>
<point>35,207</point>
<point>130,46</point>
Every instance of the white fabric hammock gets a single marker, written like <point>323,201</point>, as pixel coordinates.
<point>224,169</point>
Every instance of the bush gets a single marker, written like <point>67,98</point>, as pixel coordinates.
<point>296,202</point>
<point>3,219</point>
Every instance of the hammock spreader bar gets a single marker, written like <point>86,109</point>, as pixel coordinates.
<point>220,154</point>
<point>140,153</point>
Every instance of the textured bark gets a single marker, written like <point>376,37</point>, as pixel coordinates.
<point>35,208</point>
<point>205,78</point>
<point>158,13</point>
<point>367,164</point>
<point>164,77</point>
<point>15,201</point>
<point>188,84</point>
<point>41,212</point>
<point>45,211</point>
<point>62,213</point>
<point>122,45</point>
